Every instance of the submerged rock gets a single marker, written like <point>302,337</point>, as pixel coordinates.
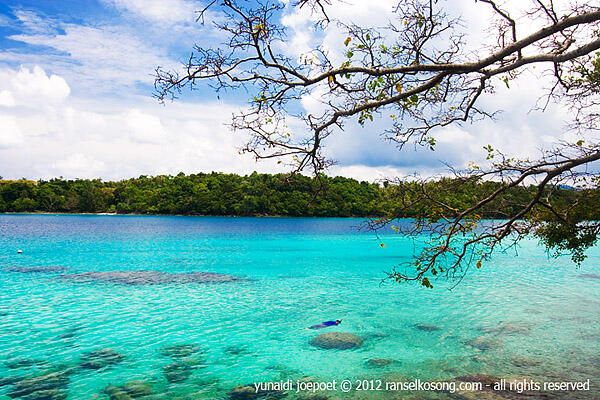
<point>380,362</point>
<point>117,393</point>
<point>179,350</point>
<point>248,392</point>
<point>313,396</point>
<point>524,362</point>
<point>285,372</point>
<point>236,350</point>
<point>37,270</point>
<point>129,390</point>
<point>336,340</point>
<point>137,388</point>
<point>508,328</point>
<point>47,395</point>
<point>483,343</point>
<point>480,358</point>
<point>136,278</point>
<point>427,327</point>
<point>49,382</point>
<point>177,372</point>
<point>70,332</point>
<point>66,335</point>
<point>23,363</point>
<point>101,358</point>
<point>194,362</point>
<point>9,380</point>
<point>590,276</point>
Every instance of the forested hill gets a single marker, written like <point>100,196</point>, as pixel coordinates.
<point>229,194</point>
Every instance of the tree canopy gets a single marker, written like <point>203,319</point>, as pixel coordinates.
<point>422,75</point>
<point>257,195</point>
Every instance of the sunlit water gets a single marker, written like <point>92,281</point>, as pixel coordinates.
<point>300,272</point>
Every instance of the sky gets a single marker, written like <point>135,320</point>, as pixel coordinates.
<point>76,97</point>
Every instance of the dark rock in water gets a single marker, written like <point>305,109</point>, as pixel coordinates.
<point>590,276</point>
<point>66,335</point>
<point>285,372</point>
<point>179,350</point>
<point>66,369</point>
<point>248,392</point>
<point>37,270</point>
<point>243,393</point>
<point>117,393</point>
<point>177,372</point>
<point>101,358</point>
<point>582,370</point>
<point>137,278</point>
<point>427,327</point>
<point>9,380</point>
<point>47,382</point>
<point>129,390</point>
<point>47,395</point>
<point>483,343</point>
<point>22,363</point>
<point>277,367</point>
<point>313,396</point>
<point>236,350</point>
<point>508,328</point>
<point>193,362</point>
<point>336,340</point>
<point>137,388</point>
<point>480,358</point>
<point>69,333</point>
<point>4,313</point>
<point>207,380</point>
<point>380,362</point>
<point>524,362</point>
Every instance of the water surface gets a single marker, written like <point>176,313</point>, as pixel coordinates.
<point>299,272</point>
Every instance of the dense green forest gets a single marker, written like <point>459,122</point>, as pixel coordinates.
<point>255,194</point>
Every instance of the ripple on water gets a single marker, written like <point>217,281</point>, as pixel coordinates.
<point>252,329</point>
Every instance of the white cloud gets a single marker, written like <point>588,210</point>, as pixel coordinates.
<point>159,10</point>
<point>517,130</point>
<point>95,126</point>
<point>367,173</point>
<point>33,22</point>
<point>144,127</point>
<point>10,132</point>
<point>79,165</point>
<point>6,99</point>
<point>26,87</point>
<point>105,59</point>
<point>83,137</point>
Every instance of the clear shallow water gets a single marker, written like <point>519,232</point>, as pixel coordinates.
<point>302,272</point>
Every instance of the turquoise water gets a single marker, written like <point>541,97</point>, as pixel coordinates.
<point>299,272</point>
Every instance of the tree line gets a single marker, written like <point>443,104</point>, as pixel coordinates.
<point>255,194</point>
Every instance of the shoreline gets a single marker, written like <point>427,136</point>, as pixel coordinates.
<point>185,215</point>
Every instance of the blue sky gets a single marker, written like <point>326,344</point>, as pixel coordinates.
<point>76,97</point>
